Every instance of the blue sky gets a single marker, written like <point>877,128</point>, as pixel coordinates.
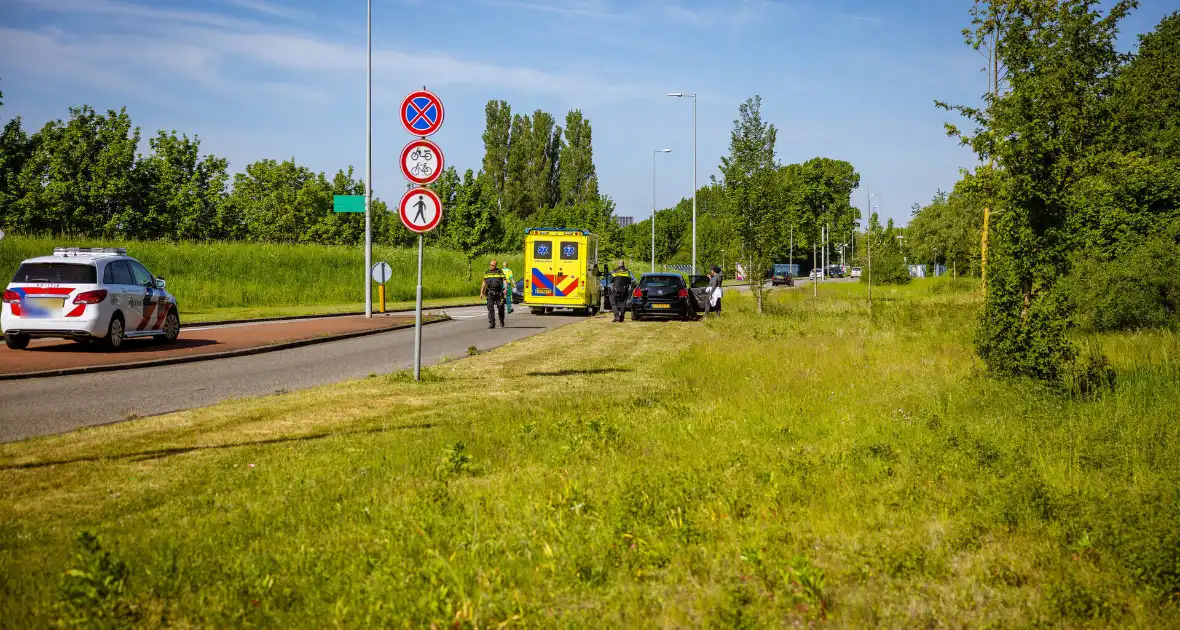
<point>847,79</point>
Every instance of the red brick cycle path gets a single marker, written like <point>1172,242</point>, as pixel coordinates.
<point>55,354</point>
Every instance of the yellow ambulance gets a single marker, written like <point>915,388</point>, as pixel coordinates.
<point>561,270</point>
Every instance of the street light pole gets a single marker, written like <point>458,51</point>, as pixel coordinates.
<point>369,166</point>
<point>653,205</point>
<point>694,175</point>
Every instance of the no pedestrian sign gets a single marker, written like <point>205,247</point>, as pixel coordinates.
<point>422,162</point>
<point>422,113</point>
<point>421,210</point>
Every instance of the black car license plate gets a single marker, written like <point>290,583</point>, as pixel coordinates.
<point>661,306</point>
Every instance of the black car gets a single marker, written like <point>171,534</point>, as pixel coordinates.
<point>835,271</point>
<point>667,295</point>
<point>518,291</point>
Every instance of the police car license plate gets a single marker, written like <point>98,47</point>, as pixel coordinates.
<point>661,306</point>
<point>44,306</point>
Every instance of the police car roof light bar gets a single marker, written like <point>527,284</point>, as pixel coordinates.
<point>88,251</point>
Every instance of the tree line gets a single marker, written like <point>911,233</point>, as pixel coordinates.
<point>85,177</point>
<point>759,211</point>
<point>1074,217</point>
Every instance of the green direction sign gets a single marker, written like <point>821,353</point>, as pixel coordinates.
<point>348,203</point>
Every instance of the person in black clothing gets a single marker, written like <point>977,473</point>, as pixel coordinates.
<point>715,280</point>
<point>494,284</point>
<point>620,287</point>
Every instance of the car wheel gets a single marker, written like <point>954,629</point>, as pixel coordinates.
<point>171,328</point>
<point>115,330</point>
<point>16,342</point>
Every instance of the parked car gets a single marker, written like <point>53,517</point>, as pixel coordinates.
<point>662,295</point>
<point>815,274</point>
<point>87,294</point>
<point>518,291</point>
<point>835,271</point>
<point>782,275</point>
<point>855,272</point>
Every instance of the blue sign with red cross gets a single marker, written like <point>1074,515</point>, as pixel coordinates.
<point>422,113</point>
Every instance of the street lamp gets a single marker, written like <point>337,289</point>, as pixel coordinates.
<point>653,205</point>
<point>694,174</point>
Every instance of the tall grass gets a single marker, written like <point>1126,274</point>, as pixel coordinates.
<point>823,464</point>
<point>229,275</point>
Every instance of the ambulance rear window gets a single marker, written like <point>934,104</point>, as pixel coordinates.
<point>56,273</point>
<point>543,250</point>
<point>569,250</point>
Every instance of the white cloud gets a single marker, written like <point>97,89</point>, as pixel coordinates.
<point>227,54</point>
<point>137,11</point>
<point>570,8</point>
<point>268,8</point>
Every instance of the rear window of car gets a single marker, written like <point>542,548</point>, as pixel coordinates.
<point>662,281</point>
<point>56,273</point>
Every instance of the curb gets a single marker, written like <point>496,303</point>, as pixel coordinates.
<point>228,354</point>
<point>227,322</point>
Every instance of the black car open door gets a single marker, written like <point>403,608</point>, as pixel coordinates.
<point>698,288</point>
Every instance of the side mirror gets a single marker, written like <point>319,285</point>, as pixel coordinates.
<point>160,284</point>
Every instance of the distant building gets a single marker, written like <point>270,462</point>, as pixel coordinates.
<point>625,221</point>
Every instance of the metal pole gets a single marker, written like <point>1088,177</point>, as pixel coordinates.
<point>814,277</point>
<point>694,184</point>
<point>418,318</point>
<point>792,259</point>
<point>369,166</point>
<point>653,211</point>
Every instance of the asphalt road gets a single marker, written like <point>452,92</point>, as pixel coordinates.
<point>63,403</point>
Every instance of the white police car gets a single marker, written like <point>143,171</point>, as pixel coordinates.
<point>87,294</point>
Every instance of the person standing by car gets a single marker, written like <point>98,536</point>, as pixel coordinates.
<point>510,282</point>
<point>492,288</point>
<point>620,286</point>
<point>713,304</point>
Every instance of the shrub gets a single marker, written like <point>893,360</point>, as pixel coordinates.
<point>1139,289</point>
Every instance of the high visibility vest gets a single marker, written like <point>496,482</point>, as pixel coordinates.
<point>494,281</point>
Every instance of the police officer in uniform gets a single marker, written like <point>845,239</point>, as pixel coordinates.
<point>492,288</point>
<point>620,288</point>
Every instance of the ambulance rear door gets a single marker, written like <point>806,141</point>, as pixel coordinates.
<point>539,289</point>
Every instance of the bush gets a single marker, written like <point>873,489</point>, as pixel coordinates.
<point>1139,289</point>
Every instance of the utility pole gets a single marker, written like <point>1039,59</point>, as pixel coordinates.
<point>814,277</point>
<point>369,167</point>
<point>792,259</point>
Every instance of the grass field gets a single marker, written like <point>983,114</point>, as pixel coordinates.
<point>207,278</point>
<point>823,464</point>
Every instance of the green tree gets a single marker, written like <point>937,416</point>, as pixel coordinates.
<point>753,192</point>
<point>472,223</point>
<point>280,201</point>
<point>1146,100</point>
<point>518,199</point>
<point>79,177</point>
<point>181,192</point>
<point>578,180</point>
<point>1061,63</point>
<point>15,149</point>
<point>496,136</point>
<point>544,147</point>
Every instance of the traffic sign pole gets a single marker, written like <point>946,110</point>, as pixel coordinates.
<point>418,317</point>
<point>420,209</point>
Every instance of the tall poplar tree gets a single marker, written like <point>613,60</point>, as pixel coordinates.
<point>518,199</point>
<point>496,136</point>
<point>578,180</point>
